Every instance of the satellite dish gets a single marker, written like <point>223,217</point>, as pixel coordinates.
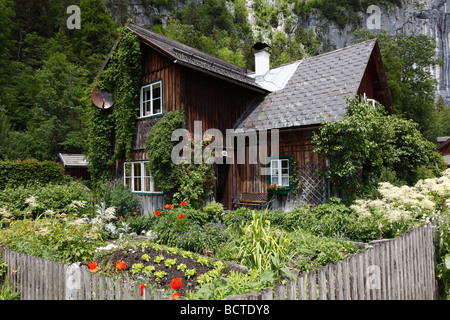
<point>101,98</point>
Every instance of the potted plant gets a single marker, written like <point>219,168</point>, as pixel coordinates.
<point>274,189</point>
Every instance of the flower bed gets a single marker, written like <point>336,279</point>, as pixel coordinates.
<point>157,266</point>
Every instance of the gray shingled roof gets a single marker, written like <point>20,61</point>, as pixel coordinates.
<point>442,139</point>
<point>315,93</point>
<point>191,57</point>
<point>73,160</point>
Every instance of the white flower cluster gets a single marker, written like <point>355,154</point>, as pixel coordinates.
<point>77,204</point>
<point>31,201</point>
<point>405,203</point>
<point>439,186</point>
<point>109,247</point>
<point>4,214</point>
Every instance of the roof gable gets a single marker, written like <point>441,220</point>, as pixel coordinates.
<point>73,160</point>
<point>315,93</point>
<point>193,58</point>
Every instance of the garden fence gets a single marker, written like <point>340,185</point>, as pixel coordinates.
<point>41,279</point>
<point>395,269</point>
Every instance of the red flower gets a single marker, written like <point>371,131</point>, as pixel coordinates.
<point>181,216</point>
<point>168,206</point>
<point>120,265</point>
<point>157,213</point>
<point>121,217</point>
<point>176,295</point>
<point>92,266</point>
<point>183,203</point>
<point>142,288</point>
<point>135,213</point>
<point>349,190</point>
<point>176,284</point>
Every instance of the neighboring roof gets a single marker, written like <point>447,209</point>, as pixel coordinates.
<point>315,93</point>
<point>73,160</point>
<point>188,56</point>
<point>445,141</point>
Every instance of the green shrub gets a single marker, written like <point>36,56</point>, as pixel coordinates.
<point>334,219</point>
<point>60,240</point>
<point>125,201</point>
<point>313,252</point>
<point>236,218</point>
<point>209,237</point>
<point>214,211</point>
<point>25,172</point>
<point>140,222</point>
<point>169,226</point>
<point>70,197</point>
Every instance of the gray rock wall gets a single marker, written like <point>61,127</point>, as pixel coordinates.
<point>428,17</point>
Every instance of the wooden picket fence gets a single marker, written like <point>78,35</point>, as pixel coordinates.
<point>396,269</point>
<point>41,279</point>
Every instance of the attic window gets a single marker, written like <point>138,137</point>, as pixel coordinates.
<point>151,100</point>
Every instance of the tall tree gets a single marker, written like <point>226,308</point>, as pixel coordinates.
<point>407,61</point>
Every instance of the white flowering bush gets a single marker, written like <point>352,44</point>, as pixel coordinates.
<point>402,208</point>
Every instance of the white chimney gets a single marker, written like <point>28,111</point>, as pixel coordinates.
<point>262,58</point>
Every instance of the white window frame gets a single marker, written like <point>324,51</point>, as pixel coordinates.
<point>142,177</point>
<point>279,175</point>
<point>142,111</point>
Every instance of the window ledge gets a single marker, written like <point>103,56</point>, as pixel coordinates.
<point>149,117</point>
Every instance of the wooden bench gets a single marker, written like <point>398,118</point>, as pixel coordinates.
<point>251,200</point>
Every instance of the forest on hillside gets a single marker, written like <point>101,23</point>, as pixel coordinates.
<point>47,69</point>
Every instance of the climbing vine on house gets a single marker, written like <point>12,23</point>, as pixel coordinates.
<point>186,181</point>
<point>111,130</point>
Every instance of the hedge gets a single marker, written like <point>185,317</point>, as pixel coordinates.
<point>20,173</point>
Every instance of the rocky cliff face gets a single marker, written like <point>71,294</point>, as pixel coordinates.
<point>428,17</point>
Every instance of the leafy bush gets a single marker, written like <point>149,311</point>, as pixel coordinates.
<point>263,248</point>
<point>53,198</point>
<point>366,141</point>
<point>159,147</point>
<point>169,226</point>
<point>238,217</point>
<point>209,237</point>
<point>125,201</point>
<point>214,211</point>
<point>25,172</point>
<point>140,223</point>
<point>313,252</point>
<point>57,239</point>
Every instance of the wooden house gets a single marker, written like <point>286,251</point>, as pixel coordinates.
<point>444,148</point>
<point>74,165</point>
<point>294,99</point>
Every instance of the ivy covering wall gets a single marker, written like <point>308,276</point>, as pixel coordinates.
<point>111,131</point>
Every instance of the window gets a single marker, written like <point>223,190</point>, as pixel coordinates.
<point>151,100</point>
<point>137,177</point>
<point>279,172</point>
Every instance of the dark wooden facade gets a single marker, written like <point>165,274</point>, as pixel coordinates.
<point>215,102</point>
